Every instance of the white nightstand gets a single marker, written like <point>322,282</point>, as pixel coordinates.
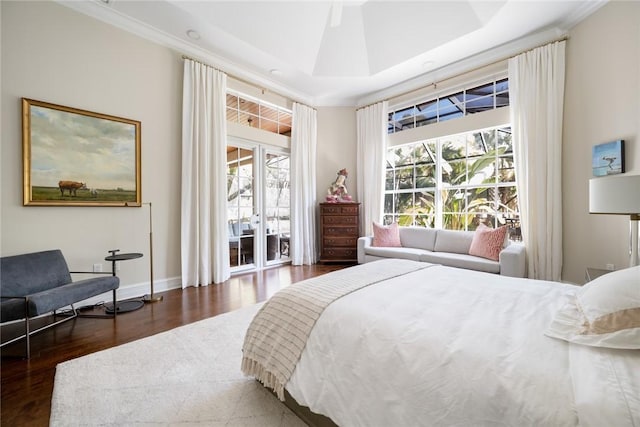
<point>594,273</point>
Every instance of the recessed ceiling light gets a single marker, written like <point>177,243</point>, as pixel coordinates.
<point>427,64</point>
<point>275,72</point>
<point>193,34</point>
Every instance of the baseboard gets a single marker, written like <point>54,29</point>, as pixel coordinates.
<point>134,291</point>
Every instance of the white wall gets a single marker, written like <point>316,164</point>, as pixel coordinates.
<point>602,103</point>
<point>336,148</point>
<point>51,53</point>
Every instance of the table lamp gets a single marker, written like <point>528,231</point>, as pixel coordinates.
<point>618,195</point>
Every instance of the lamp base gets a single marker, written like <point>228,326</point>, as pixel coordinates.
<point>152,298</point>
<point>634,250</point>
<point>124,306</point>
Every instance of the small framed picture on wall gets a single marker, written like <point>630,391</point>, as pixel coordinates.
<point>608,158</point>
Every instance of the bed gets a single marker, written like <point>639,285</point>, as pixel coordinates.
<point>401,343</point>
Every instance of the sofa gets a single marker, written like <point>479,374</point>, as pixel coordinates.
<point>446,247</point>
<point>38,283</point>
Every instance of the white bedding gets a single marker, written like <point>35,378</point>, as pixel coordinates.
<point>447,346</point>
<point>606,384</point>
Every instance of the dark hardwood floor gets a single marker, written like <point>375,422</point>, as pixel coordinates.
<point>27,385</point>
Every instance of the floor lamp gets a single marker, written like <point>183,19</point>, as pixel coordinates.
<point>618,195</point>
<point>151,297</point>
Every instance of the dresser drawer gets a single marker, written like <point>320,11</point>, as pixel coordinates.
<point>339,241</point>
<point>339,231</point>
<point>338,219</point>
<point>339,254</point>
<point>339,209</point>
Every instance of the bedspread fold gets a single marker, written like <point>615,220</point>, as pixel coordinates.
<point>278,333</point>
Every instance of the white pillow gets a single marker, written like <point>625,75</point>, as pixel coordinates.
<point>604,313</point>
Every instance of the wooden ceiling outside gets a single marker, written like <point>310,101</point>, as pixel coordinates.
<point>250,113</point>
<point>235,153</point>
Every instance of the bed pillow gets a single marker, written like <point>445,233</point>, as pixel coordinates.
<point>488,242</point>
<point>386,236</point>
<point>603,313</point>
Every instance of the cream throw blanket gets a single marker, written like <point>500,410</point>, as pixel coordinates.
<point>278,333</point>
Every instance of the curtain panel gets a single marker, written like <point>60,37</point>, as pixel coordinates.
<point>371,125</point>
<point>304,132</point>
<point>536,92</point>
<point>204,231</point>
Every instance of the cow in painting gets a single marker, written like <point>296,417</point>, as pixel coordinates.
<point>71,187</point>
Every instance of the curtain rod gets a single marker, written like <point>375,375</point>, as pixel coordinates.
<point>262,89</point>
<point>435,83</point>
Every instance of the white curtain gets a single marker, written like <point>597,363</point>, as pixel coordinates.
<point>372,145</point>
<point>536,92</point>
<point>204,239</point>
<point>304,130</point>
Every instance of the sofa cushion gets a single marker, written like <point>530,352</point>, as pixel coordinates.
<point>61,296</point>
<point>403,253</point>
<point>488,242</point>
<point>11,309</point>
<point>454,241</point>
<point>386,235</point>
<point>469,262</point>
<point>32,273</point>
<point>418,237</point>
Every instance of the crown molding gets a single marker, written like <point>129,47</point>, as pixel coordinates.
<point>105,12</point>
<point>486,58</point>
<point>588,7</point>
<point>102,11</point>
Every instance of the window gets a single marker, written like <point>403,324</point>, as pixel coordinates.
<point>487,96</point>
<point>258,114</point>
<point>454,182</point>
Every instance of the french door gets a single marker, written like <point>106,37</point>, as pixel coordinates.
<point>258,208</point>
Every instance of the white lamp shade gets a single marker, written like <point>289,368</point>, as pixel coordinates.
<point>615,194</point>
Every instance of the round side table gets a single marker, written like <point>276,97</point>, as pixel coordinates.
<point>127,305</point>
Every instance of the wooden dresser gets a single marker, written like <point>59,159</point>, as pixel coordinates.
<point>339,232</point>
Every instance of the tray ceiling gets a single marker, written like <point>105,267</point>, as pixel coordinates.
<point>343,52</point>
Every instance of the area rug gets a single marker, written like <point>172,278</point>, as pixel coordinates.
<point>186,376</point>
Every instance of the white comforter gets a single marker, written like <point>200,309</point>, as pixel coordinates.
<point>444,346</point>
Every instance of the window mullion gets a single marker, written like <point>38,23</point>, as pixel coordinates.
<point>438,192</point>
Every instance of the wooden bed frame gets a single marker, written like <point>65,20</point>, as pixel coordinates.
<point>305,414</point>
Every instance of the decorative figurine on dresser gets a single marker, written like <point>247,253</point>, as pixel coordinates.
<point>339,223</point>
<point>337,191</point>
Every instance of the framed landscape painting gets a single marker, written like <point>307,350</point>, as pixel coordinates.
<point>608,158</point>
<point>74,157</point>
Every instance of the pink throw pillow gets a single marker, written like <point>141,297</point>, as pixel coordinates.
<point>488,242</point>
<point>388,236</point>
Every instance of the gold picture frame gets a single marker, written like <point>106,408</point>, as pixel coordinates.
<point>74,157</point>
